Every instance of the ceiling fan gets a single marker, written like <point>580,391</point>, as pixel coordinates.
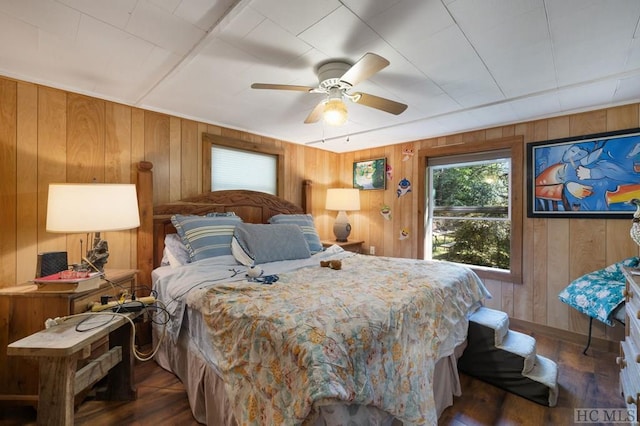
<point>336,79</point>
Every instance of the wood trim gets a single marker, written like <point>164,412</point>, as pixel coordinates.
<point>155,221</point>
<point>307,196</point>
<point>515,145</point>
<point>209,139</point>
<point>145,231</point>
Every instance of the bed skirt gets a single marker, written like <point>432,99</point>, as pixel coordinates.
<point>210,406</point>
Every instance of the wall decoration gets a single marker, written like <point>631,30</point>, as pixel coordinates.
<point>404,187</point>
<point>385,211</point>
<point>404,234</point>
<point>370,174</point>
<point>589,176</point>
<point>407,153</point>
<point>389,172</point>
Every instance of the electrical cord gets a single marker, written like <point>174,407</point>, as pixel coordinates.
<point>209,282</point>
<point>140,356</point>
<point>79,328</point>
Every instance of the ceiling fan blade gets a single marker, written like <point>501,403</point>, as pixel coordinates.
<point>316,114</point>
<point>382,104</point>
<point>282,87</point>
<point>366,66</point>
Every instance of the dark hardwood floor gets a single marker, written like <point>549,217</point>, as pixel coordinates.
<point>585,382</point>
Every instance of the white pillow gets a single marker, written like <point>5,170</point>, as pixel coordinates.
<point>241,256</point>
<point>175,251</point>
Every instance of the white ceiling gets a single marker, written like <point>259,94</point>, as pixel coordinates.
<point>458,64</point>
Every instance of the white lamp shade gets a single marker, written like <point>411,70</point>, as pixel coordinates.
<point>345,199</point>
<point>91,207</point>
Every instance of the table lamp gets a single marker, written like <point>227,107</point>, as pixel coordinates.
<point>342,200</point>
<point>92,208</point>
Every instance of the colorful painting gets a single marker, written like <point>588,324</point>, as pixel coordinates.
<point>590,176</point>
<point>370,174</point>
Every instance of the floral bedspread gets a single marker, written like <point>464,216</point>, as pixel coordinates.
<point>369,334</point>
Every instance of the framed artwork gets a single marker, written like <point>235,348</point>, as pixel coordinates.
<point>592,176</point>
<point>370,174</point>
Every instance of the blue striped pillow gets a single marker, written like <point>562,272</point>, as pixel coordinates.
<point>305,222</point>
<point>204,236</point>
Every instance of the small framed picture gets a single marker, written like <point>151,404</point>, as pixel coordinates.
<point>370,174</point>
<point>592,176</point>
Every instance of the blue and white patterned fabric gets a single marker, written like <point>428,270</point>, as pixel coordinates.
<point>599,293</point>
<point>305,222</point>
<point>206,236</point>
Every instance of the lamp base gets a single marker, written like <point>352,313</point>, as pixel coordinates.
<point>342,227</point>
<point>98,255</point>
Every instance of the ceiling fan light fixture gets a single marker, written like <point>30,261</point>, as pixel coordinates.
<point>335,112</point>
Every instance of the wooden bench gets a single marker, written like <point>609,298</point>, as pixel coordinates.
<point>58,350</point>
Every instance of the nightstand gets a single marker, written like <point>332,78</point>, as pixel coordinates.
<point>351,245</point>
<point>62,347</point>
<point>23,311</point>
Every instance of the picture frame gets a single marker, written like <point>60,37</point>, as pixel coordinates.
<point>591,176</point>
<point>370,174</point>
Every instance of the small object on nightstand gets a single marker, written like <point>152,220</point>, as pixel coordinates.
<point>69,281</point>
<point>50,263</point>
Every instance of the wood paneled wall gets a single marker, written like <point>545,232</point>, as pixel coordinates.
<point>555,251</point>
<point>49,135</point>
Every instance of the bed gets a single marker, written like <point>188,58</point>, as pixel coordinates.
<point>368,340</point>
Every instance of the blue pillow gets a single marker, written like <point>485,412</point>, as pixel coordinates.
<point>597,294</point>
<point>204,236</point>
<point>254,244</point>
<point>305,222</point>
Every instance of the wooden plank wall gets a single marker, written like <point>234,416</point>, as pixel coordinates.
<point>48,135</point>
<point>555,251</point>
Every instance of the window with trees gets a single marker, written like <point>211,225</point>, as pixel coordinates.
<point>473,212</point>
<point>469,211</point>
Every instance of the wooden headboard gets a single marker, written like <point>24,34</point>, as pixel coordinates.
<point>155,221</point>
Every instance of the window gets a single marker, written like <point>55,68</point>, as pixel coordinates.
<point>470,213</point>
<point>238,169</point>
<point>235,164</point>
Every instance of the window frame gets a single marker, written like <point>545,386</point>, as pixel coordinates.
<point>208,140</point>
<point>515,146</point>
